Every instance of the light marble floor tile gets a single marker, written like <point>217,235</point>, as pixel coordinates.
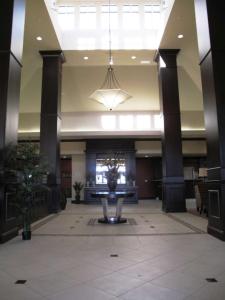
<point>143,271</point>
<point>17,292</point>
<point>152,292</point>
<point>180,282</point>
<point>68,259</point>
<point>116,284</point>
<point>82,292</point>
<point>52,284</point>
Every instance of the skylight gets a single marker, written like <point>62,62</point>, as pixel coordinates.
<point>85,24</point>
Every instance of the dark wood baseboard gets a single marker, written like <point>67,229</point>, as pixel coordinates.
<point>220,234</point>
<point>8,235</point>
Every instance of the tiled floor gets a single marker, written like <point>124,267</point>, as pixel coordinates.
<point>67,259</point>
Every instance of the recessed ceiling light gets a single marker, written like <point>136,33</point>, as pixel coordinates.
<point>180,36</point>
<point>145,61</point>
<point>85,57</point>
<point>39,38</point>
<point>146,156</point>
<point>133,57</point>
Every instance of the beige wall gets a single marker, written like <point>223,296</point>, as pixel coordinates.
<point>190,147</point>
<point>194,147</point>
<point>68,148</point>
<point>89,123</point>
<point>80,82</point>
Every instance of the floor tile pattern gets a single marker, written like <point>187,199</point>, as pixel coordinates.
<point>173,265</point>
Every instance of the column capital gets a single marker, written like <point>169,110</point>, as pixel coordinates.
<point>169,57</point>
<point>53,53</point>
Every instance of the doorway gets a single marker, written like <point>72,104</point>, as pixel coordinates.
<point>146,177</point>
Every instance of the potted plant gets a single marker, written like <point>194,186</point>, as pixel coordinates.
<point>63,199</point>
<point>113,162</point>
<point>24,170</point>
<point>78,186</point>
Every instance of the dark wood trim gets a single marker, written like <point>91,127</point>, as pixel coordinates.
<point>210,23</point>
<point>51,121</point>
<point>172,158</point>
<point>12,20</point>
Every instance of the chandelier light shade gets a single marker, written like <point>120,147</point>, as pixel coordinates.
<point>110,93</point>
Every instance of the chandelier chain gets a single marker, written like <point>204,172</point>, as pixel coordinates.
<point>110,34</point>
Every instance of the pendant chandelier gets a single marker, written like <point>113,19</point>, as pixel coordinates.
<point>110,93</point>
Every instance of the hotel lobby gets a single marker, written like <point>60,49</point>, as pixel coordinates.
<point>96,87</point>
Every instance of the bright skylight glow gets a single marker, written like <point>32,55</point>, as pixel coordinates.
<point>86,44</point>
<point>131,17</point>
<point>66,17</point>
<point>143,122</point>
<point>126,122</point>
<point>114,17</point>
<point>108,122</point>
<point>133,26</point>
<point>87,17</point>
<point>158,122</point>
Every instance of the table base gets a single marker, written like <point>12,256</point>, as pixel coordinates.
<point>112,220</point>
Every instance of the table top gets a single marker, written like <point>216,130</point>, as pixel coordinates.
<point>112,194</point>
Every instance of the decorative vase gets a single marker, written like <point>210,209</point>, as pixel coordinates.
<point>112,184</point>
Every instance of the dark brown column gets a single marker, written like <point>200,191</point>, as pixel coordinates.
<point>172,159</point>
<point>12,19</point>
<point>51,120</point>
<point>211,31</point>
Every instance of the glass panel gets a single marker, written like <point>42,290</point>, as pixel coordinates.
<point>131,17</point>
<point>108,122</point>
<point>126,122</point>
<point>87,17</point>
<point>158,122</point>
<point>151,16</point>
<point>133,43</point>
<point>113,19</point>
<point>101,172</point>
<point>133,26</point>
<point>143,122</point>
<point>105,42</point>
<point>86,43</point>
<point>66,17</point>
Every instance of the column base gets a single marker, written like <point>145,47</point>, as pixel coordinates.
<point>54,198</point>
<point>173,197</point>
<point>215,204</point>
<point>8,235</point>
<point>220,234</point>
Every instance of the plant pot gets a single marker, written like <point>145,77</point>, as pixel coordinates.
<point>112,184</point>
<point>26,235</point>
<point>75,201</point>
<point>63,202</point>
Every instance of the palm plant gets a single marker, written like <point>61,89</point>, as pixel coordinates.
<point>78,186</point>
<point>23,171</point>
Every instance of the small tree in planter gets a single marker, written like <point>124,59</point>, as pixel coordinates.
<point>113,163</point>
<point>24,169</point>
<point>78,186</point>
